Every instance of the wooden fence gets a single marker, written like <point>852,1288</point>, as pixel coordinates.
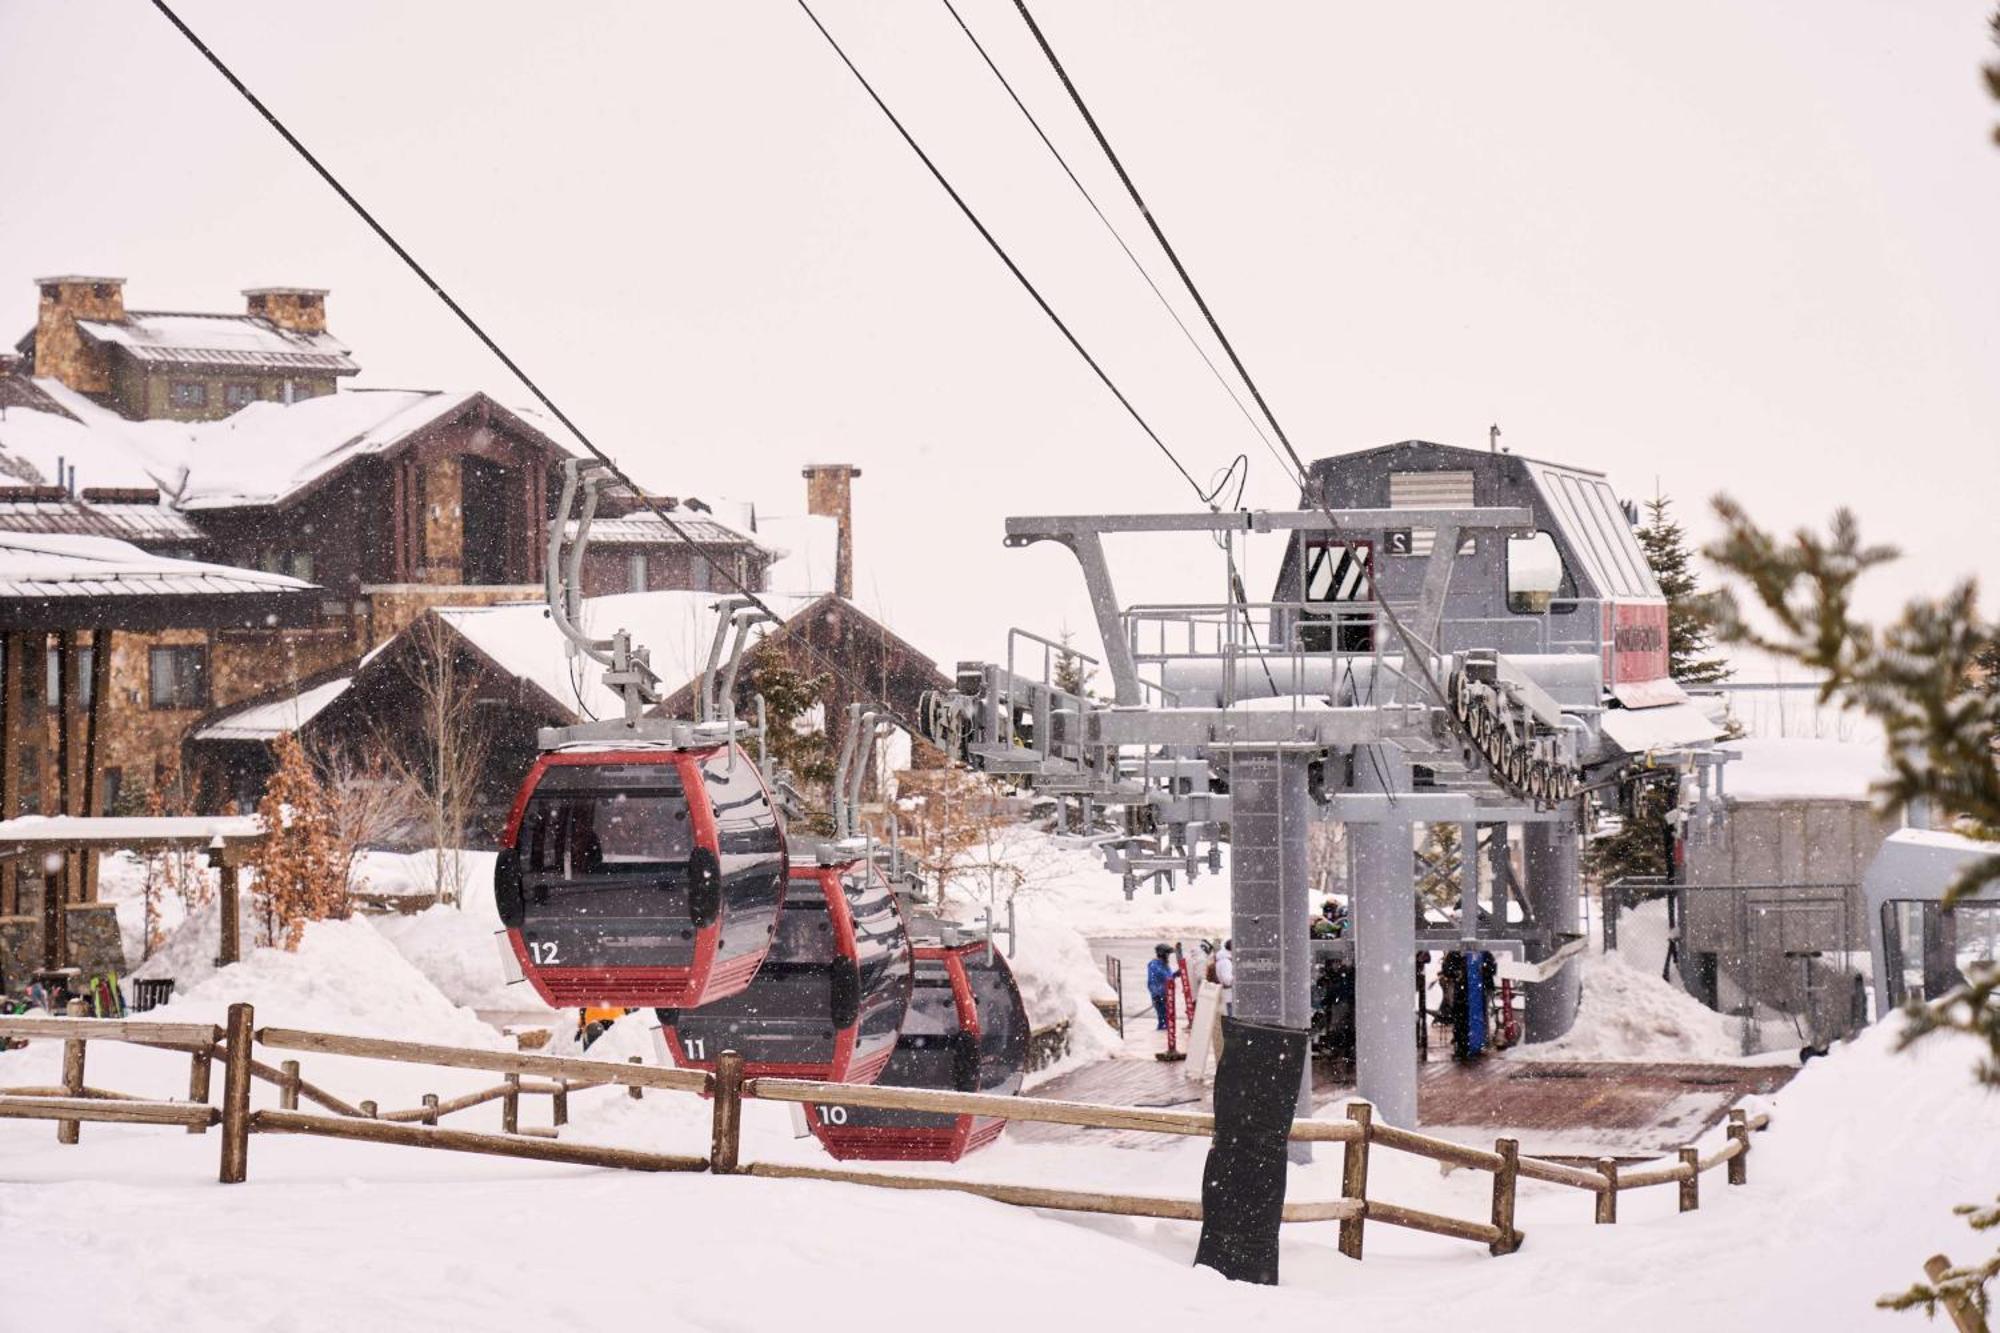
<point>527,1075</point>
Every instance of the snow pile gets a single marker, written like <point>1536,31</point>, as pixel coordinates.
<point>1060,982</point>
<point>1067,881</point>
<point>1627,1014</point>
<point>192,947</point>
<point>345,978</point>
<point>415,874</point>
<point>457,949</point>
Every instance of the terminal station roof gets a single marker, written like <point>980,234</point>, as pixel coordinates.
<point>51,581</point>
<point>1599,532</point>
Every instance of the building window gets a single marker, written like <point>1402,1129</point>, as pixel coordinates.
<point>238,395</point>
<point>635,572</point>
<point>114,791</point>
<point>185,393</point>
<point>53,689</point>
<point>1534,574</point>
<point>31,782</point>
<point>299,564</point>
<point>180,676</point>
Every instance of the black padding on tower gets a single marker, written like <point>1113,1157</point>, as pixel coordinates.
<point>1243,1185</point>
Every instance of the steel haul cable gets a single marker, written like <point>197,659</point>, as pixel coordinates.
<point>1115,234</point>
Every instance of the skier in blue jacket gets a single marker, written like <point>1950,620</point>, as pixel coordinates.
<point>1159,976</point>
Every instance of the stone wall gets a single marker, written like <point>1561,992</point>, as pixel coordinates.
<point>440,557</point>
<point>830,492</point>
<point>60,351</point>
<point>294,309</point>
<point>94,943</point>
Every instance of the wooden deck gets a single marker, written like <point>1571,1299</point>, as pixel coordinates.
<point>1556,1108</point>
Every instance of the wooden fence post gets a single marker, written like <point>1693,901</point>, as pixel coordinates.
<point>559,1103</point>
<point>67,1131</point>
<point>728,1114</point>
<point>1607,1198</point>
<point>236,1095</point>
<point>288,1089</point>
<point>430,1108</point>
<point>199,1063</point>
<point>637,1091</point>
<point>231,949</point>
<point>510,1106</point>
<point>1691,1187</point>
<point>1739,1133</point>
<point>1504,1181</point>
<point>1354,1176</point>
<point>1965,1316</point>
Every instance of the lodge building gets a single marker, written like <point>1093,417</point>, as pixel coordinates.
<point>232,439</point>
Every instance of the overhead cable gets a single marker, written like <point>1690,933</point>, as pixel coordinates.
<point>1111,228</point>
<point>998,249</point>
<point>729,574</point>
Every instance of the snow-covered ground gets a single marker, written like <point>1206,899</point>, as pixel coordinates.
<point>1850,1190</point>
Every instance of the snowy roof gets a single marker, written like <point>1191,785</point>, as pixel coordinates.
<point>150,523</point>
<point>221,341</point>
<point>676,627</point>
<point>645,529</point>
<point>809,546</point>
<point>267,453</point>
<point>1801,769</point>
<point>50,565</point>
<point>277,717</point>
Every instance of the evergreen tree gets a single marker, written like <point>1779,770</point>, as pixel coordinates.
<point>1690,624</point>
<point>796,745</point>
<point>1993,71</point>
<point>1072,674</point>
<point>1637,849</point>
<point>1921,678</point>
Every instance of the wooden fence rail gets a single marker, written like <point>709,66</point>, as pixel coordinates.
<point>557,1077</point>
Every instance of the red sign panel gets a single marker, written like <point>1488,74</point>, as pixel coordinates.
<point>1635,642</point>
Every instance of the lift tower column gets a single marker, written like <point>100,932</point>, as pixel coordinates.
<point>1384,912</point>
<point>1270,915</point>
<point>1549,854</point>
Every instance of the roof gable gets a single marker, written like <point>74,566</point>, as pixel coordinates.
<point>267,454</point>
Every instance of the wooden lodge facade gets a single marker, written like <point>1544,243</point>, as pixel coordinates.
<point>227,438</point>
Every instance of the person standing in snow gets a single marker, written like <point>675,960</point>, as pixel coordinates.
<point>1159,976</point>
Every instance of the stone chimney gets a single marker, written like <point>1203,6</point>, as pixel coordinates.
<point>293,309</point>
<point>60,351</point>
<point>830,492</point>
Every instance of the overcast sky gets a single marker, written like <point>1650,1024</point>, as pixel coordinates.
<point>1743,246</point>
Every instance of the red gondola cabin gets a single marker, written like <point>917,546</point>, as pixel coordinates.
<point>966,1031</point>
<point>641,876</point>
<point>830,998</point>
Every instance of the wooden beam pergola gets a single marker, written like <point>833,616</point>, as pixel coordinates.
<point>229,840</point>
